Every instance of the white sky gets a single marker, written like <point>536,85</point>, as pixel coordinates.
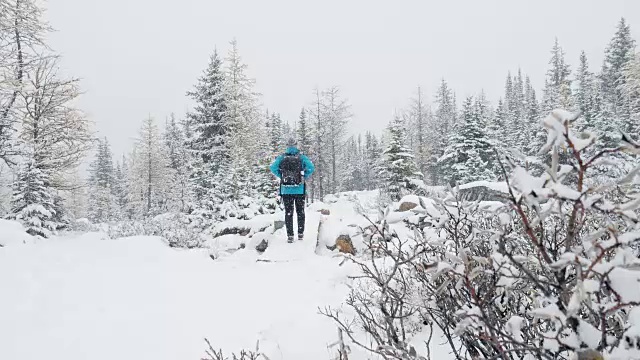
<point>139,57</point>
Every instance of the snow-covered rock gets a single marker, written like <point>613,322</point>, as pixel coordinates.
<point>243,227</point>
<point>484,190</point>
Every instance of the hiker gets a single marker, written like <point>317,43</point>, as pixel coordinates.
<point>292,168</point>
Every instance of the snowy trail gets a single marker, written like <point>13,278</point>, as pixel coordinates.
<point>135,298</point>
<point>83,297</point>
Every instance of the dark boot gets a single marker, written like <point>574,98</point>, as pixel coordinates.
<point>290,239</point>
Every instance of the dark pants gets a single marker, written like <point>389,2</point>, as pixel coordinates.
<point>289,202</point>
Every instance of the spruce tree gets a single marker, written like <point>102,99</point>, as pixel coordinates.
<point>618,53</point>
<point>585,93</point>
<point>102,198</point>
<point>120,188</point>
<point>497,127</point>
<point>517,108</point>
<point>304,135</point>
<point>209,129</point>
<point>349,160</point>
<point>557,91</point>
<point>443,123</point>
<point>33,200</point>
<point>469,156</point>
<point>178,195</point>
<point>277,134</point>
<point>631,89</point>
<point>531,119</point>
<point>398,164</point>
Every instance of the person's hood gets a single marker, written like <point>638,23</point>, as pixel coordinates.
<point>292,150</point>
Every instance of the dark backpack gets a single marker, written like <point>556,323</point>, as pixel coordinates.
<point>291,169</point>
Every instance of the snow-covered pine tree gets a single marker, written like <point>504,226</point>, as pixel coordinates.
<point>243,116</point>
<point>631,89</point>
<point>276,133</point>
<point>134,190</point>
<point>517,105</point>
<point>303,133</point>
<point>150,169</point>
<point>359,166</point>
<point>509,96</point>
<point>517,123</point>
<point>349,162</point>
<point>444,122</point>
<point>120,188</point>
<point>208,132</point>
<point>557,91</point>
<point>585,93</point>
<point>399,167</point>
<point>502,126</point>
<point>287,130</point>
<point>264,184</point>
<point>469,156</point>
<point>178,194</point>
<point>531,118</point>
<point>33,199</point>
<point>618,53</point>
<point>372,161</point>
<point>497,128</point>
<point>102,195</point>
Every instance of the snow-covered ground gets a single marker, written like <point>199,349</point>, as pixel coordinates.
<point>84,296</point>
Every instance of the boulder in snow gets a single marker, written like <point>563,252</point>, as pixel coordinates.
<point>243,227</point>
<point>325,211</point>
<point>344,245</point>
<point>262,246</point>
<point>278,224</point>
<point>484,191</point>
<point>406,206</point>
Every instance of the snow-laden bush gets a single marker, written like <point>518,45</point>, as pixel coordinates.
<point>82,225</point>
<point>549,273</point>
<point>176,228</point>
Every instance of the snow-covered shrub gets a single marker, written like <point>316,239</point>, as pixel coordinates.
<point>176,228</point>
<point>550,273</point>
<point>82,225</point>
<point>126,228</point>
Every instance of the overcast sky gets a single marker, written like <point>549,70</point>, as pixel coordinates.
<point>139,57</point>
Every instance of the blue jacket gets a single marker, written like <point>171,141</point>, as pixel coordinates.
<point>307,165</point>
